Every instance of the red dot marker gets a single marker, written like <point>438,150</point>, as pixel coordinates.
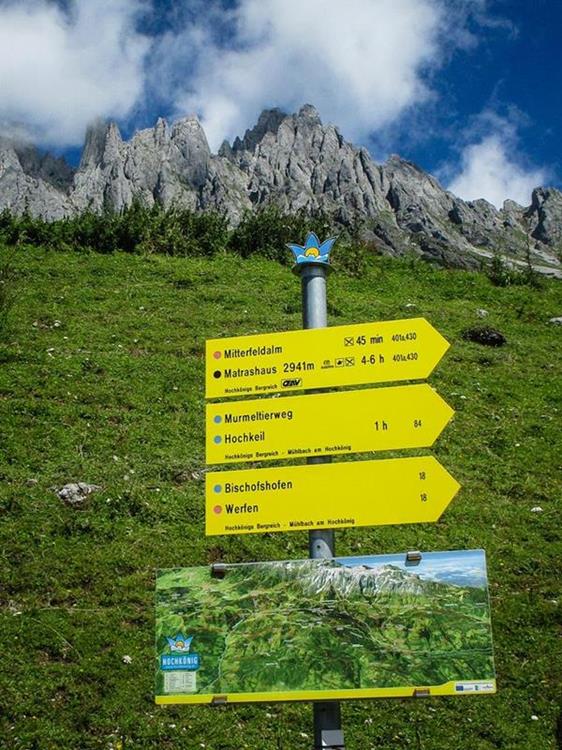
<point>217,355</point>
<point>217,509</point>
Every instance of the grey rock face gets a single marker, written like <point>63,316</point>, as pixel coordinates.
<point>21,191</point>
<point>545,216</point>
<point>297,163</point>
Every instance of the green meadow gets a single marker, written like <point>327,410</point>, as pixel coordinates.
<point>102,381</point>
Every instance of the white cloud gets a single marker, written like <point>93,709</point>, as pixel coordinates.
<point>492,168</point>
<point>362,63</point>
<point>58,70</point>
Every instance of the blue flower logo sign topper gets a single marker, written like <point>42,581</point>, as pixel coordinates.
<point>313,251</point>
<point>180,643</point>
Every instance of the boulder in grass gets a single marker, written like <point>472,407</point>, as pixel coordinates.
<point>484,336</point>
<point>75,493</point>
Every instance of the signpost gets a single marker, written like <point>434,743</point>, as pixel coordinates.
<point>322,358</point>
<point>253,660</point>
<point>328,730</point>
<point>332,495</point>
<point>410,416</point>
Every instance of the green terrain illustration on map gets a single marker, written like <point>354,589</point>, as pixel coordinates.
<point>322,625</point>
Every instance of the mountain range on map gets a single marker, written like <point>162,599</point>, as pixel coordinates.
<point>325,576</point>
<point>295,162</point>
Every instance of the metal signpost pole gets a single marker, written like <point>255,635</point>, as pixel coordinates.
<point>328,732</point>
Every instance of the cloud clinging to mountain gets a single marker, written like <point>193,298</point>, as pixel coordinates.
<point>491,164</point>
<point>60,70</point>
<point>361,63</point>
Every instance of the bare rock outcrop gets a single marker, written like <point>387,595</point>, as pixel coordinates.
<point>296,162</point>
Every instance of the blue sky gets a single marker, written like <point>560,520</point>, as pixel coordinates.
<point>467,89</point>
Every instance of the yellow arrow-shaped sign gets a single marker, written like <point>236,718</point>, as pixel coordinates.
<point>407,416</point>
<point>323,358</point>
<point>358,493</point>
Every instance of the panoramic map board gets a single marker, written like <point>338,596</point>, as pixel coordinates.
<point>350,627</point>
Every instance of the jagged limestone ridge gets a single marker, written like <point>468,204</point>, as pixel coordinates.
<point>296,162</point>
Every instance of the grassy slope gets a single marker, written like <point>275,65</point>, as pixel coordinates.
<point>114,395</point>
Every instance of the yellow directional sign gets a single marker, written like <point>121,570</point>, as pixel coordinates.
<point>323,357</point>
<point>358,493</point>
<point>407,416</point>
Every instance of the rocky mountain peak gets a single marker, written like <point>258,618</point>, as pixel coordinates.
<point>268,122</point>
<point>102,144</point>
<point>309,114</point>
<point>545,216</point>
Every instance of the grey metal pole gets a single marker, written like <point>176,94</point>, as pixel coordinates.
<point>328,732</point>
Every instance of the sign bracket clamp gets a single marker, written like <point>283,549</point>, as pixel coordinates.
<point>218,570</point>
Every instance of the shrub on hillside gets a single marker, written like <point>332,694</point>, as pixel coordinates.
<point>183,232</point>
<point>137,228</point>
<point>179,231</point>
<point>267,232</point>
<point>503,274</point>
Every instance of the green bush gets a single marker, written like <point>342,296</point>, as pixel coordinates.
<point>351,254</point>
<point>267,232</point>
<point>502,274</point>
<point>183,232</point>
<point>136,229</point>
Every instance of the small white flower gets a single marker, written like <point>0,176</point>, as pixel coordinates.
<point>534,717</point>
<point>126,659</point>
<point>172,726</point>
<point>536,509</point>
<point>304,735</point>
